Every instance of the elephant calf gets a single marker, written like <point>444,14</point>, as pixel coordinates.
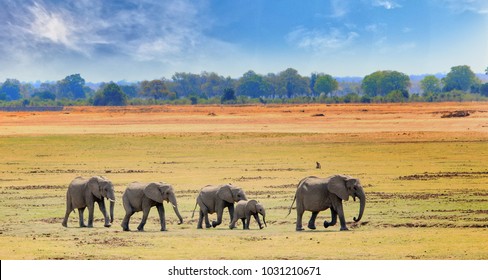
<point>84,192</point>
<point>142,196</point>
<point>244,210</point>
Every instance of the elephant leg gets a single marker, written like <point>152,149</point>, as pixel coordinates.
<point>91,208</point>
<point>311,223</point>
<point>219,218</point>
<point>256,217</point>
<point>299,218</point>
<point>145,214</point>
<point>162,217</point>
<point>200,219</point>
<point>232,224</point>
<point>334,218</point>
<point>125,222</point>
<point>80,213</point>
<point>243,220</point>
<point>342,219</point>
<point>231,211</point>
<point>101,205</point>
<point>65,221</point>
<point>207,221</point>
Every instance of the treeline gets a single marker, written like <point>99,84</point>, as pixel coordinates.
<point>460,84</point>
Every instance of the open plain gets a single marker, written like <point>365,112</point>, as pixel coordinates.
<point>423,166</point>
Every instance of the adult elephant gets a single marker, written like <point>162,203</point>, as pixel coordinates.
<point>84,192</point>
<point>214,199</point>
<point>317,194</point>
<point>142,197</point>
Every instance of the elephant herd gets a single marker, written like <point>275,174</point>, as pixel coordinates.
<point>313,194</point>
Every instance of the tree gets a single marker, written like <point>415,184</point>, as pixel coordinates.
<point>290,84</point>
<point>71,87</point>
<point>110,95</point>
<point>460,78</point>
<point>380,83</point>
<point>484,89</point>
<point>10,90</point>
<point>430,84</point>
<point>486,71</point>
<point>229,96</point>
<point>156,89</point>
<point>253,85</point>
<point>325,83</point>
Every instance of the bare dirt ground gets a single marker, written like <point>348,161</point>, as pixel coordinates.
<point>313,118</point>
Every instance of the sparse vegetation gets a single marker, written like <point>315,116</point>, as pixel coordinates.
<point>426,189</point>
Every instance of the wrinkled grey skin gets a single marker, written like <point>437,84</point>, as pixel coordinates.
<point>142,197</point>
<point>317,194</point>
<point>244,210</point>
<point>84,192</point>
<point>213,199</point>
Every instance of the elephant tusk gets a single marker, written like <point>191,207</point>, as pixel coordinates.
<point>111,200</point>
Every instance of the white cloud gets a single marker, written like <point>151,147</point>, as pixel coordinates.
<point>387,4</point>
<point>340,8</point>
<point>460,6</point>
<point>320,41</point>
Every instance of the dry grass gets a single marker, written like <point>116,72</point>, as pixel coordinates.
<point>425,178</point>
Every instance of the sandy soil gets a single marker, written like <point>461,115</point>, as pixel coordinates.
<point>313,118</point>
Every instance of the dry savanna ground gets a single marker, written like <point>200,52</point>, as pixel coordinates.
<point>423,166</point>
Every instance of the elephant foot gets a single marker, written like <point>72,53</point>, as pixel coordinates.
<point>83,225</point>
<point>163,229</point>
<point>140,228</point>
<point>208,226</point>
<point>215,224</point>
<point>311,226</point>
<point>107,225</point>
<point>64,224</point>
<point>125,229</point>
<point>261,227</point>
<point>326,224</point>
<point>299,229</point>
<point>344,229</point>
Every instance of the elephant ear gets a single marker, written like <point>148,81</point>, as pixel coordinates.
<point>251,206</point>
<point>153,191</point>
<point>95,187</point>
<point>337,186</point>
<point>225,193</point>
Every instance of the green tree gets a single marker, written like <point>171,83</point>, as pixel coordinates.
<point>10,90</point>
<point>325,84</point>
<point>253,85</point>
<point>156,89</point>
<point>229,96</point>
<point>290,84</point>
<point>380,83</point>
<point>484,89</point>
<point>460,78</point>
<point>110,95</point>
<point>71,87</point>
<point>430,84</point>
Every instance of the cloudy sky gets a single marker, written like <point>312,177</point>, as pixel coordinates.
<point>135,40</point>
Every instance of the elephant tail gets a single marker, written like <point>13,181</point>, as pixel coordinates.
<point>193,214</point>
<point>289,211</point>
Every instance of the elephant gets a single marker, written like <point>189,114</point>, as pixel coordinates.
<point>317,194</point>
<point>213,199</point>
<point>142,196</point>
<point>244,210</point>
<point>84,192</point>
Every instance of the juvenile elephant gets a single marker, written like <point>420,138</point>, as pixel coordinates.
<point>142,196</point>
<point>317,194</point>
<point>213,199</point>
<point>84,192</point>
<point>244,210</point>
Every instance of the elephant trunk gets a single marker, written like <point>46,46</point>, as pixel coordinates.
<point>112,206</point>
<point>264,221</point>
<point>172,200</point>
<point>362,204</point>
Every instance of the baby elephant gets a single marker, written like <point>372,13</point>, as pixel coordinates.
<point>142,196</point>
<point>244,210</point>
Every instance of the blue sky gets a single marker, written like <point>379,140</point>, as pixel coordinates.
<point>136,40</point>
